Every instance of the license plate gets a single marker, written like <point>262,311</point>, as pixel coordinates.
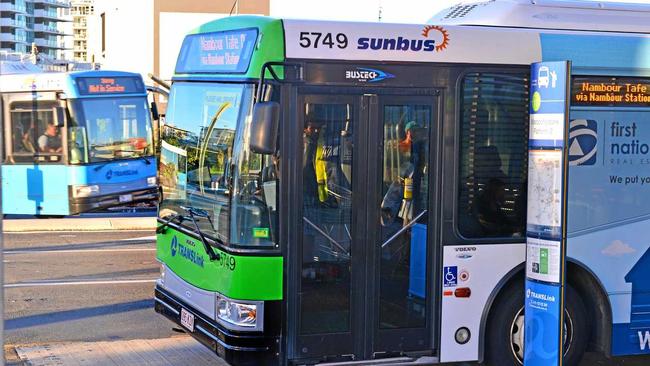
<point>187,320</point>
<point>126,198</point>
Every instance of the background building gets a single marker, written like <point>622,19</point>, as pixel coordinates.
<point>83,24</point>
<point>145,35</point>
<point>24,23</point>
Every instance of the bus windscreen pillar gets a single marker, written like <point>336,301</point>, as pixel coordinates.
<point>546,222</point>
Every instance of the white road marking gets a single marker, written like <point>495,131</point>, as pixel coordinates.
<point>150,237</point>
<point>75,283</point>
<point>54,251</point>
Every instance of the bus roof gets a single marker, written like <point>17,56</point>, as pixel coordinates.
<point>550,14</point>
<point>67,82</point>
<point>615,45</point>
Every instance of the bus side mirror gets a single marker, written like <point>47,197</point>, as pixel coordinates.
<point>154,111</point>
<point>264,127</point>
<point>59,116</point>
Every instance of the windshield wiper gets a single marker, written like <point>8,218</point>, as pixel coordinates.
<point>198,212</point>
<point>193,213</point>
<point>176,217</point>
<point>100,166</point>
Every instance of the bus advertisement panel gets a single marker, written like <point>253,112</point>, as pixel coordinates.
<point>609,199</point>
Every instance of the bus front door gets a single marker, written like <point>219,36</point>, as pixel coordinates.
<point>362,288</point>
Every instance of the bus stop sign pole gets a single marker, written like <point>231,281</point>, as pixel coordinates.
<point>547,206</point>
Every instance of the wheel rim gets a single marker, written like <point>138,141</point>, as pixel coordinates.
<point>517,335</point>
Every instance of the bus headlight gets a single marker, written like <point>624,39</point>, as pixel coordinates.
<point>152,181</point>
<point>79,191</point>
<point>163,269</point>
<point>235,313</point>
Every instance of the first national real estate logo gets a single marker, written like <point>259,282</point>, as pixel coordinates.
<point>583,142</point>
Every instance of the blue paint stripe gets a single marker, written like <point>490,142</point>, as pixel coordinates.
<point>597,51</point>
<point>548,144</point>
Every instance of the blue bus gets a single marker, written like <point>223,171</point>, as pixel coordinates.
<point>76,142</point>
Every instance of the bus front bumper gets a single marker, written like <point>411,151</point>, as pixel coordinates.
<point>87,204</point>
<point>236,348</point>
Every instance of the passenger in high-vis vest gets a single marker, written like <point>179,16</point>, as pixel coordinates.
<point>311,187</point>
<point>322,163</point>
<point>402,197</point>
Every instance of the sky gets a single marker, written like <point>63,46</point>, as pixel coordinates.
<point>392,11</point>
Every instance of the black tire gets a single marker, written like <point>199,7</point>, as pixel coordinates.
<point>501,350</point>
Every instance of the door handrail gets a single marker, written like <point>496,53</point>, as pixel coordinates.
<point>323,233</point>
<point>402,230</point>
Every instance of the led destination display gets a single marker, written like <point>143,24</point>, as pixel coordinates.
<point>229,52</point>
<point>611,92</point>
<point>110,85</point>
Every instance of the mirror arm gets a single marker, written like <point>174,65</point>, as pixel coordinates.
<point>269,66</point>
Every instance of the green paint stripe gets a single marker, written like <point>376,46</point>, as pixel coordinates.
<point>235,276</point>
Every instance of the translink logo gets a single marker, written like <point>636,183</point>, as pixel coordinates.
<point>535,295</point>
<point>185,252</point>
<point>174,246</point>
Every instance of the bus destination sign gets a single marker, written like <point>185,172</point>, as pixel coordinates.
<point>109,85</point>
<point>610,92</point>
<point>228,52</point>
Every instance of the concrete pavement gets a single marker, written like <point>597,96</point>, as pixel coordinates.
<point>85,298</point>
<point>79,224</point>
<point>173,351</point>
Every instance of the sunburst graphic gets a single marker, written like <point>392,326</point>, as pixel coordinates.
<point>445,36</point>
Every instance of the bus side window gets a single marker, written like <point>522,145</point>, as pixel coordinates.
<point>30,123</point>
<point>493,155</point>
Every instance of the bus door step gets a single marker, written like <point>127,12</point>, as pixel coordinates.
<point>394,361</point>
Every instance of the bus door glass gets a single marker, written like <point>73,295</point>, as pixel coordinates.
<point>363,288</point>
<point>403,225</point>
<point>325,295</point>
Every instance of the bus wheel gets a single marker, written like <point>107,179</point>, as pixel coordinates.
<point>505,334</point>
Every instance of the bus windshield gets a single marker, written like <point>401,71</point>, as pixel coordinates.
<point>205,163</point>
<point>104,129</point>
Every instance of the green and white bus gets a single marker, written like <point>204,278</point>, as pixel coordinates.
<point>355,193</point>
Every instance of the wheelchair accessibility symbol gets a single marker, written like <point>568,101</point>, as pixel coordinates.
<point>450,276</point>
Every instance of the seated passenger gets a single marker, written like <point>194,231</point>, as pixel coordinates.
<point>493,219</point>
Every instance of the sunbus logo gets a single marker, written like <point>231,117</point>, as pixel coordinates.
<point>435,39</point>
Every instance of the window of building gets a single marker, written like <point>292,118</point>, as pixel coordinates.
<point>103,17</point>
<point>493,155</point>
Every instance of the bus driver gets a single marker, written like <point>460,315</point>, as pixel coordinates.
<point>50,141</point>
